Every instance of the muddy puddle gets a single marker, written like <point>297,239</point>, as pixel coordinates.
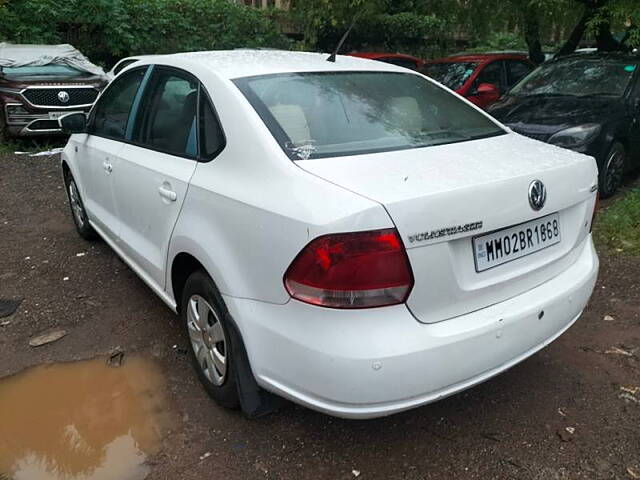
<point>82,421</point>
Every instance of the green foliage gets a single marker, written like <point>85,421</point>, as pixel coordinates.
<point>500,41</point>
<point>624,18</point>
<point>617,229</point>
<point>106,30</point>
<point>381,24</point>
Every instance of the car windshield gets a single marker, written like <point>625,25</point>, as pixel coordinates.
<point>450,74</point>
<point>330,114</point>
<point>38,70</point>
<point>578,77</point>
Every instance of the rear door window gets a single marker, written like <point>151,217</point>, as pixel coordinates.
<point>111,113</point>
<point>168,121</point>
<point>212,138</point>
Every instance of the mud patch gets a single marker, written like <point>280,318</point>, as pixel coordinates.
<point>82,421</point>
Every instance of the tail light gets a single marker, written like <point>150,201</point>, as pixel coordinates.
<point>595,210</point>
<point>351,270</point>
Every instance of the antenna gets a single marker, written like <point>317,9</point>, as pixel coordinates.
<point>332,57</point>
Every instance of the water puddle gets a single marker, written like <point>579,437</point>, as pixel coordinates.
<point>82,421</point>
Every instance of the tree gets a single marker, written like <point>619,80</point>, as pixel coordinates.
<point>106,30</point>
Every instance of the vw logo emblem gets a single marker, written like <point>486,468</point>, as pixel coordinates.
<point>537,195</point>
<point>63,96</point>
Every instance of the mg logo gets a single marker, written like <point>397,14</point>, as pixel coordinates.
<point>63,96</point>
<point>537,195</point>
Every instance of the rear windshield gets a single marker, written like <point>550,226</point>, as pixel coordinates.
<point>317,115</point>
<point>54,70</point>
<point>451,74</point>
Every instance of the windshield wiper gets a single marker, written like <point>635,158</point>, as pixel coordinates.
<point>440,134</point>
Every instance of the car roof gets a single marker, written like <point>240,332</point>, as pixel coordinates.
<point>239,63</point>
<point>480,57</point>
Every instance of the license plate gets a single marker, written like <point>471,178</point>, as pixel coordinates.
<point>57,115</point>
<point>508,244</point>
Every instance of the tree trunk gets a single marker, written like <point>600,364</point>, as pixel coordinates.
<point>532,37</point>
<point>604,38</point>
<point>578,32</point>
<point>591,7</point>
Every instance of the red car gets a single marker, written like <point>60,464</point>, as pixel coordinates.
<point>483,77</point>
<point>399,59</point>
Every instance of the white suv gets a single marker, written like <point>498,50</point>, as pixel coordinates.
<point>351,236</point>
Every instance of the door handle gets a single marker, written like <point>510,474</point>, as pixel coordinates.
<point>107,166</point>
<point>168,194</point>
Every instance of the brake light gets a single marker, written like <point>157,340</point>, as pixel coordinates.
<point>595,210</point>
<point>351,270</point>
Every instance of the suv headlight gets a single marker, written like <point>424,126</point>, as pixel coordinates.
<point>575,136</point>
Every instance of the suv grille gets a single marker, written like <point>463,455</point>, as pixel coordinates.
<point>48,97</point>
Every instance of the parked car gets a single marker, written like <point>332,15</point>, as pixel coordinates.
<point>481,78</point>
<point>39,83</point>
<point>400,59</point>
<point>589,103</point>
<point>348,235</point>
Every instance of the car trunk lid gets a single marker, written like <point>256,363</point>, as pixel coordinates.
<point>441,197</point>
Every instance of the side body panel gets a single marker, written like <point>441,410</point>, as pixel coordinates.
<point>251,210</point>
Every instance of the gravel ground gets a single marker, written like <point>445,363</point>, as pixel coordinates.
<point>514,426</point>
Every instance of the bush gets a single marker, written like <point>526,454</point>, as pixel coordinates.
<point>617,229</point>
<point>406,32</point>
<point>106,30</point>
<point>501,41</point>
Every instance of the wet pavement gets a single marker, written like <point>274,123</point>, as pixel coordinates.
<point>82,420</point>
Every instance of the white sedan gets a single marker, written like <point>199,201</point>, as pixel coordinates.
<point>351,236</point>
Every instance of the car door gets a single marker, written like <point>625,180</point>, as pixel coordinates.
<point>493,74</point>
<point>100,152</point>
<point>155,169</point>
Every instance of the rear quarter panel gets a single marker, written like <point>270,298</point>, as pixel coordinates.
<point>251,210</point>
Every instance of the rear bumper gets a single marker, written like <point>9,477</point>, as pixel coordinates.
<point>371,363</point>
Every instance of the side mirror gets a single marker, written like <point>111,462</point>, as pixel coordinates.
<point>487,89</point>
<point>73,123</point>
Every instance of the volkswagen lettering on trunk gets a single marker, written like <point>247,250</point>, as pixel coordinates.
<point>348,235</point>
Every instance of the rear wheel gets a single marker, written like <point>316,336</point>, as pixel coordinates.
<point>612,171</point>
<point>203,315</point>
<point>78,213</point>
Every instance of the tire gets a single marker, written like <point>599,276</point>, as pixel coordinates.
<point>78,213</point>
<point>204,318</point>
<point>612,171</point>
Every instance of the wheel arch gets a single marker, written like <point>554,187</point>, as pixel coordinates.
<point>182,266</point>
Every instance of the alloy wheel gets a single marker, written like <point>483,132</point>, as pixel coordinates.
<point>207,339</point>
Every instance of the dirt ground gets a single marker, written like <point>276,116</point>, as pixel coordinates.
<point>514,426</point>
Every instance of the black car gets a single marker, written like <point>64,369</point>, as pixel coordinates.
<point>587,103</point>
